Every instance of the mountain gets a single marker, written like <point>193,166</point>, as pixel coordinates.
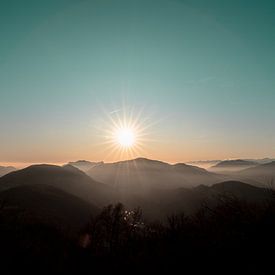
<point>233,190</point>
<point>240,190</point>
<point>232,165</point>
<point>84,165</point>
<point>143,174</point>
<point>264,174</point>
<point>5,170</point>
<point>60,194</point>
<point>207,164</point>
<point>160,203</point>
<point>46,204</point>
<point>68,179</point>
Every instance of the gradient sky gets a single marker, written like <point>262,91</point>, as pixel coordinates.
<point>203,72</point>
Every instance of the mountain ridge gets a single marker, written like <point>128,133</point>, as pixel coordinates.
<point>68,179</point>
<point>143,173</point>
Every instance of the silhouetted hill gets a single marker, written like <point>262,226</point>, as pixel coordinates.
<point>68,179</point>
<point>5,170</point>
<point>46,204</point>
<point>240,190</point>
<point>161,203</point>
<point>142,174</point>
<point>84,165</point>
<point>234,189</point>
<point>158,187</point>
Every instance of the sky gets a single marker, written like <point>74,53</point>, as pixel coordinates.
<point>197,75</point>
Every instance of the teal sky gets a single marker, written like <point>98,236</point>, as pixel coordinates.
<point>204,71</point>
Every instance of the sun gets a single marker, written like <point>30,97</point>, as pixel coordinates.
<point>125,133</point>
<point>125,137</point>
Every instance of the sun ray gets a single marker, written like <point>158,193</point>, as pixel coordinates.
<point>125,133</point>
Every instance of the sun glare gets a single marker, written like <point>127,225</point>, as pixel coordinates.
<point>125,137</point>
<point>126,133</point>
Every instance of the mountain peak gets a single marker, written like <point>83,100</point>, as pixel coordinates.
<point>67,178</point>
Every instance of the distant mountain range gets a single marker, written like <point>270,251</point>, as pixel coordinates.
<point>209,163</point>
<point>232,165</point>
<point>264,174</point>
<point>143,174</point>
<point>253,173</point>
<point>237,162</point>
<point>158,187</point>
<point>5,170</point>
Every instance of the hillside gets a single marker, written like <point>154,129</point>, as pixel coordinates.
<point>46,204</point>
<point>68,179</point>
<point>158,187</point>
<point>160,203</point>
<point>264,174</point>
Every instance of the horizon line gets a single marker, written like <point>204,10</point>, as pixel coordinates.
<point>25,164</point>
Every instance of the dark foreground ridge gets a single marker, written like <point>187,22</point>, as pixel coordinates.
<point>58,220</point>
<point>234,234</point>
